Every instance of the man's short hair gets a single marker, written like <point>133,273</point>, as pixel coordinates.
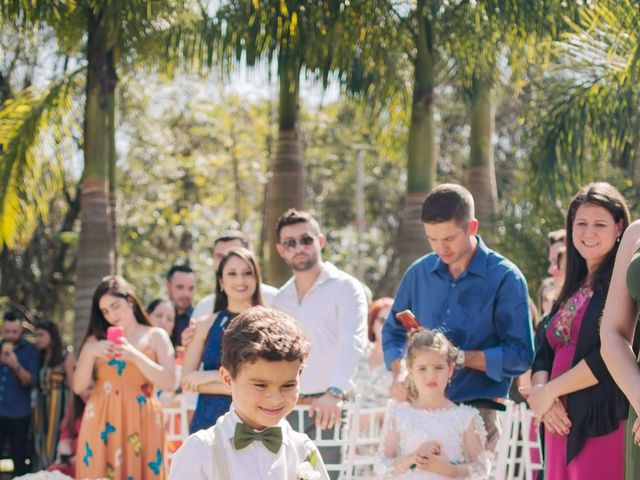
<point>262,333</point>
<point>178,268</point>
<point>293,216</point>
<point>13,316</point>
<point>232,235</point>
<point>448,202</point>
<point>557,236</point>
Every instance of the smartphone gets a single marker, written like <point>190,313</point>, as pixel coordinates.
<point>114,334</point>
<point>408,319</point>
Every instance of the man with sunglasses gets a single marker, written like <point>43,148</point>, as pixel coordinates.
<point>331,307</point>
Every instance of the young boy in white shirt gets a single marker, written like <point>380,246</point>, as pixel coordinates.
<point>262,354</point>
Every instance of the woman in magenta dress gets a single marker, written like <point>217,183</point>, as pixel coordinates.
<point>582,409</point>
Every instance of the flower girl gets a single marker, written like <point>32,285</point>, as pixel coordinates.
<point>430,437</point>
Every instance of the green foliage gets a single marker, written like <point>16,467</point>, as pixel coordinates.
<point>176,183</point>
<point>336,133</point>
<point>34,128</point>
<point>588,101</point>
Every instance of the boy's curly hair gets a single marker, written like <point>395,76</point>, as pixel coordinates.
<point>262,333</point>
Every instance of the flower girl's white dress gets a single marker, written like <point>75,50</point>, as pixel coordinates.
<point>451,427</point>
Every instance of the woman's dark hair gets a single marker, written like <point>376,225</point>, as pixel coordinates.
<point>118,287</point>
<point>157,301</point>
<point>56,348</point>
<point>601,194</point>
<point>222,301</point>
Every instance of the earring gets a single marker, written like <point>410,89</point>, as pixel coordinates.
<point>221,290</point>
<point>618,238</point>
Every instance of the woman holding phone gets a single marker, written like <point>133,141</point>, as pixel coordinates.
<point>122,432</point>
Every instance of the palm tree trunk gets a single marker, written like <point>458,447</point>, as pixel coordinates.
<point>481,175</point>
<point>113,158</point>
<point>422,151</point>
<point>96,249</point>
<point>287,183</point>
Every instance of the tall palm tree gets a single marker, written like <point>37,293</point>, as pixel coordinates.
<point>422,147</point>
<point>301,37</point>
<point>486,34</point>
<point>106,32</point>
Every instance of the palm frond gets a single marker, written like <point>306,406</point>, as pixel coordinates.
<point>33,126</point>
<point>34,11</point>
<point>589,99</point>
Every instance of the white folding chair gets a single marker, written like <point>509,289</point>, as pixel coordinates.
<point>531,445</point>
<point>507,448</point>
<point>363,449</point>
<point>176,428</point>
<point>519,451</point>
<point>338,437</point>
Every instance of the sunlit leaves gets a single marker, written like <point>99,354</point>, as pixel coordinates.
<point>34,127</point>
<point>590,101</point>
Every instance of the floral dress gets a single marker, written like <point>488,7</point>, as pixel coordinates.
<point>122,433</point>
<point>591,463</point>
<point>447,426</point>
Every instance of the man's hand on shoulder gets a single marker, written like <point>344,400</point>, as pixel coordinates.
<point>399,390</point>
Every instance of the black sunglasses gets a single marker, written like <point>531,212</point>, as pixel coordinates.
<point>290,243</point>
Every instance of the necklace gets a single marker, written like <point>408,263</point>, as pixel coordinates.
<point>567,312</point>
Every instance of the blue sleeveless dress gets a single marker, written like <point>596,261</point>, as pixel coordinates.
<point>210,407</point>
<point>632,451</point>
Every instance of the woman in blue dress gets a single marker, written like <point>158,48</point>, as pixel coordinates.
<point>237,289</point>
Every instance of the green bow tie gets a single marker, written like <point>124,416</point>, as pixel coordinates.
<point>270,437</point>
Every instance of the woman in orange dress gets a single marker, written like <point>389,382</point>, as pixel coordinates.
<point>122,432</point>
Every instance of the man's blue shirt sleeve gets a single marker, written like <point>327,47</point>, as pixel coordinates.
<point>513,322</point>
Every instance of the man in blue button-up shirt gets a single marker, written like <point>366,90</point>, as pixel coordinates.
<point>18,372</point>
<point>475,296</point>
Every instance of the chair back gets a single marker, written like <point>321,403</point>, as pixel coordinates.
<point>335,445</point>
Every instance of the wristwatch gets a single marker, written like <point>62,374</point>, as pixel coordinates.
<point>460,359</point>
<point>337,392</point>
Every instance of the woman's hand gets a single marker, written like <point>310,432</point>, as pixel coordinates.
<point>102,349</point>
<point>556,419</point>
<point>194,380</point>
<point>188,334</point>
<point>124,350</point>
<point>540,400</point>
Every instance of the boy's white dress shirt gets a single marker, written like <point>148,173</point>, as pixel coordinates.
<point>196,458</point>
